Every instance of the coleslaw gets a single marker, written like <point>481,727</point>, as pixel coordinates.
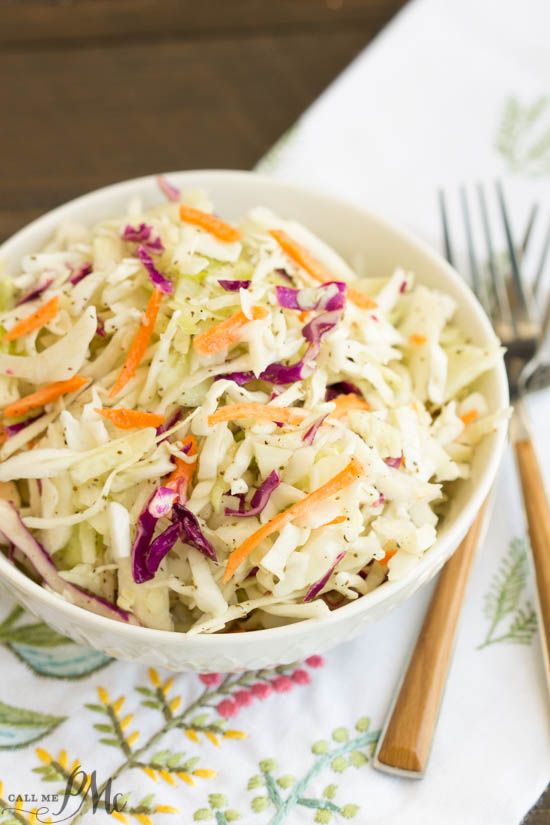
<point>215,427</point>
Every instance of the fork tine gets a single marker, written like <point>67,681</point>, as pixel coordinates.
<point>499,290</point>
<point>522,312</point>
<point>445,225</point>
<point>529,229</point>
<point>542,262</point>
<point>474,271</point>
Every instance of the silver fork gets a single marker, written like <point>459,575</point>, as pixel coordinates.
<point>406,739</point>
<point>523,330</point>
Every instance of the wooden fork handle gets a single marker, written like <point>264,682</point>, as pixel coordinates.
<point>537,511</point>
<point>407,739</point>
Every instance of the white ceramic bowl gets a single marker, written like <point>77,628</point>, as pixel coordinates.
<point>350,230</point>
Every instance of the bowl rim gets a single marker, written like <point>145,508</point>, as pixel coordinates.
<point>434,557</point>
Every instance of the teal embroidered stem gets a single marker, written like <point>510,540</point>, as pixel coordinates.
<point>292,799</point>
<point>319,804</point>
<point>220,818</point>
<point>272,790</point>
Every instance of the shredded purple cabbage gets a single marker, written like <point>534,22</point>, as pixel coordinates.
<point>144,534</point>
<point>329,296</point>
<point>394,462</point>
<point>161,503</point>
<point>317,586</point>
<point>160,547</point>
<point>156,277</point>
<point>143,234</point>
<point>169,423</point>
<point>191,533</point>
<point>80,274</point>
<point>233,286</point>
<point>35,292</point>
<point>25,543</point>
<point>171,192</point>
<point>259,499</point>
<point>239,378</point>
<point>100,328</point>
<point>342,388</point>
<point>12,429</point>
<point>309,437</point>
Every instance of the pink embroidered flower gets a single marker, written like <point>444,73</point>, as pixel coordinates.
<point>210,679</point>
<point>315,661</point>
<point>300,677</point>
<point>243,697</point>
<point>282,684</point>
<point>227,708</point>
<point>261,690</point>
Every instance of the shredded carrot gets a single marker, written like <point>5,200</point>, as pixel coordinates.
<point>303,316</point>
<point>343,479</point>
<point>469,416</point>
<point>183,471</point>
<point>391,549</point>
<point>360,299</point>
<point>345,403</point>
<point>139,344</point>
<point>315,268</point>
<point>210,223</point>
<point>35,320</point>
<point>221,336</point>
<point>45,395</point>
<point>417,339</point>
<point>129,419</point>
<point>337,520</point>
<point>260,412</point>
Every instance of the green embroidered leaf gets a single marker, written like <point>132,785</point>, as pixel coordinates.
<point>508,583</point>
<point>114,743</point>
<point>339,764</point>
<point>19,726</point>
<point>268,765</point>
<point>524,625</point>
<point>285,781</point>
<point>357,759</point>
<point>503,600</point>
<point>103,728</point>
<point>231,815</point>
<point>255,782</point>
<point>191,763</point>
<point>330,791</point>
<point>146,802</point>
<point>145,691</point>
<point>200,720</point>
<point>349,811</point>
<point>96,708</point>
<point>160,759</point>
<point>362,724</point>
<point>523,137</point>
<point>176,760</point>
<point>35,635</point>
<point>259,804</point>
<point>151,703</point>
<point>340,735</point>
<point>203,815</point>
<point>216,800</point>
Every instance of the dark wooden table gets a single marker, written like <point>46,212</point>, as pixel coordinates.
<point>94,91</point>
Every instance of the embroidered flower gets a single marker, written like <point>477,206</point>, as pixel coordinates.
<point>243,697</point>
<point>227,708</point>
<point>315,661</point>
<point>210,679</point>
<point>300,677</point>
<point>282,684</point>
<point>261,690</point>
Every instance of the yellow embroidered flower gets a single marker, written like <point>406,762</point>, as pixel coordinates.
<point>103,695</point>
<point>235,734</point>
<point>154,677</point>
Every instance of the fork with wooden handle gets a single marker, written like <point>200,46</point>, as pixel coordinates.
<point>405,743</point>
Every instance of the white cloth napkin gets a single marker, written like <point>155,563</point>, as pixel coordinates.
<point>423,106</point>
